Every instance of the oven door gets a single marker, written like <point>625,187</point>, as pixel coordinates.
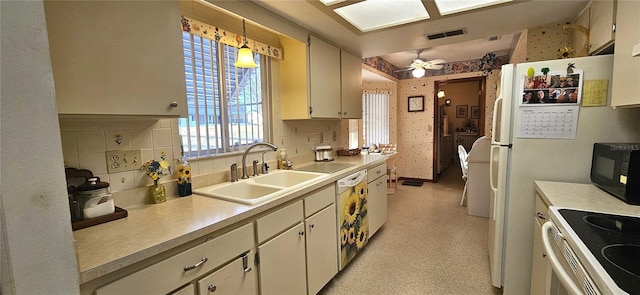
<point>569,276</point>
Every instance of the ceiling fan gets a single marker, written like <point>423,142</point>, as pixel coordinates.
<point>419,67</point>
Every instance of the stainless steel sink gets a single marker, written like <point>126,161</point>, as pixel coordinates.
<point>261,188</point>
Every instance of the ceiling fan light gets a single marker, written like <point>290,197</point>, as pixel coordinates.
<point>245,58</point>
<point>418,72</point>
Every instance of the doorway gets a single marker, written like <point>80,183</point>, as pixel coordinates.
<point>459,118</point>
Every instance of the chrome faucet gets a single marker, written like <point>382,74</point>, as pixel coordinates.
<point>244,156</point>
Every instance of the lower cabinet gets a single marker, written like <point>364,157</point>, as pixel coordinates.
<point>298,245</point>
<point>377,197</point>
<point>322,248</point>
<point>237,277</point>
<point>186,266</point>
<point>282,263</point>
<point>540,276</point>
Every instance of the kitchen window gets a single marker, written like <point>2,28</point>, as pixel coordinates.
<point>228,106</point>
<point>375,117</point>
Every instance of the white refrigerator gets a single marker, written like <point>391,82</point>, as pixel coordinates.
<point>550,141</point>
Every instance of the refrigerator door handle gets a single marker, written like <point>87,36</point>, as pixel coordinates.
<point>497,108</point>
<point>493,184</point>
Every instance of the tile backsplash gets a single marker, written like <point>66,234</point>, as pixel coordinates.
<point>86,141</point>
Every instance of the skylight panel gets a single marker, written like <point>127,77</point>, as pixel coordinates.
<point>454,6</point>
<point>331,2</point>
<point>372,15</point>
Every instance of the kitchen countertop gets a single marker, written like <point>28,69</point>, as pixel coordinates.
<point>583,196</point>
<point>152,229</point>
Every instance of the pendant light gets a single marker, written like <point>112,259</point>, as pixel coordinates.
<point>245,56</point>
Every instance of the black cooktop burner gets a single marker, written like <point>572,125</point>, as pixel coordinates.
<point>614,241</point>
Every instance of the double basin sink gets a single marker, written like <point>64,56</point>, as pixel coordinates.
<point>262,188</point>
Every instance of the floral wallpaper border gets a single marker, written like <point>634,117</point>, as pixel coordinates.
<point>223,36</point>
<point>458,67</point>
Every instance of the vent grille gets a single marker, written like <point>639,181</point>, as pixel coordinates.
<point>446,34</point>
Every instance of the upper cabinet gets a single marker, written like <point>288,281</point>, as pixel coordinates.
<point>117,57</point>
<point>601,25</point>
<point>351,81</point>
<point>626,67</point>
<point>316,84</point>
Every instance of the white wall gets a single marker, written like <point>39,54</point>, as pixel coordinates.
<point>38,247</point>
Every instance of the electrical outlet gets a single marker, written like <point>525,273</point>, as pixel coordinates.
<point>321,137</point>
<point>119,161</point>
<point>335,136</point>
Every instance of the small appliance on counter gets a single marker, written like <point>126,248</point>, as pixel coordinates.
<point>90,201</point>
<point>323,153</point>
<point>615,168</point>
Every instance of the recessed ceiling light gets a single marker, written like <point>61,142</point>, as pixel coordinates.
<point>378,14</point>
<point>331,2</point>
<point>450,7</point>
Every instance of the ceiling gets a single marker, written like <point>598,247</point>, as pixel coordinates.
<point>398,45</point>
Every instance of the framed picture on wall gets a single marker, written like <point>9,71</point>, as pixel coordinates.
<point>462,111</point>
<point>416,103</point>
<point>475,112</point>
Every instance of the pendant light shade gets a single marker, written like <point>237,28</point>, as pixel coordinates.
<point>418,72</point>
<point>245,56</point>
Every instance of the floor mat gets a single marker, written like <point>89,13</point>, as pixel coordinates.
<point>413,182</point>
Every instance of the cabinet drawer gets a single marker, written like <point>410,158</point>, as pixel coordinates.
<point>541,210</point>
<point>278,221</point>
<point>186,290</point>
<point>231,279</point>
<point>375,172</point>
<point>318,200</point>
<point>170,273</point>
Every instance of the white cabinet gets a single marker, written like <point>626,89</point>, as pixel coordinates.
<point>626,68</point>
<point>377,197</point>
<point>282,263</point>
<point>321,238</point>
<point>540,276</point>
<point>184,267</point>
<point>117,57</point>
<point>282,257</point>
<point>351,86</point>
<point>601,25</point>
<point>318,80</point>
<point>235,278</point>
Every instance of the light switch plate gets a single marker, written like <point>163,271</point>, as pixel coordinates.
<point>119,161</point>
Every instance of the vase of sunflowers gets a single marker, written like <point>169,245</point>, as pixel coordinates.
<point>184,178</point>
<point>155,170</point>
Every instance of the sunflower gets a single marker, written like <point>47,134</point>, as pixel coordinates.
<point>344,235</point>
<point>180,180</point>
<point>361,239</point>
<point>154,175</point>
<point>351,209</point>
<point>361,191</point>
<point>565,52</point>
<point>351,236</point>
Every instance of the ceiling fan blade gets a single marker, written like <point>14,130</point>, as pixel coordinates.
<point>436,61</point>
<point>402,70</point>
<point>433,67</point>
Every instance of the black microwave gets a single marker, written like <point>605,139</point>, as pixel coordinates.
<point>615,168</point>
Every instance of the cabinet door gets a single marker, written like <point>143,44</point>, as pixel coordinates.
<point>540,277</point>
<point>117,57</point>
<point>237,277</point>
<point>601,22</point>
<point>324,79</point>
<point>322,248</point>
<point>282,263</point>
<point>626,69</point>
<point>351,86</point>
<point>377,198</point>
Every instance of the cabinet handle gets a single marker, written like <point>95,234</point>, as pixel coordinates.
<point>173,104</point>
<point>301,233</point>
<point>312,225</point>
<point>541,215</point>
<point>212,288</point>
<point>245,263</point>
<point>202,261</point>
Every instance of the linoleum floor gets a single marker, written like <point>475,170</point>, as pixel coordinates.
<point>429,245</point>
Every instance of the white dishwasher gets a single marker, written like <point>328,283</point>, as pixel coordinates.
<point>353,223</point>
